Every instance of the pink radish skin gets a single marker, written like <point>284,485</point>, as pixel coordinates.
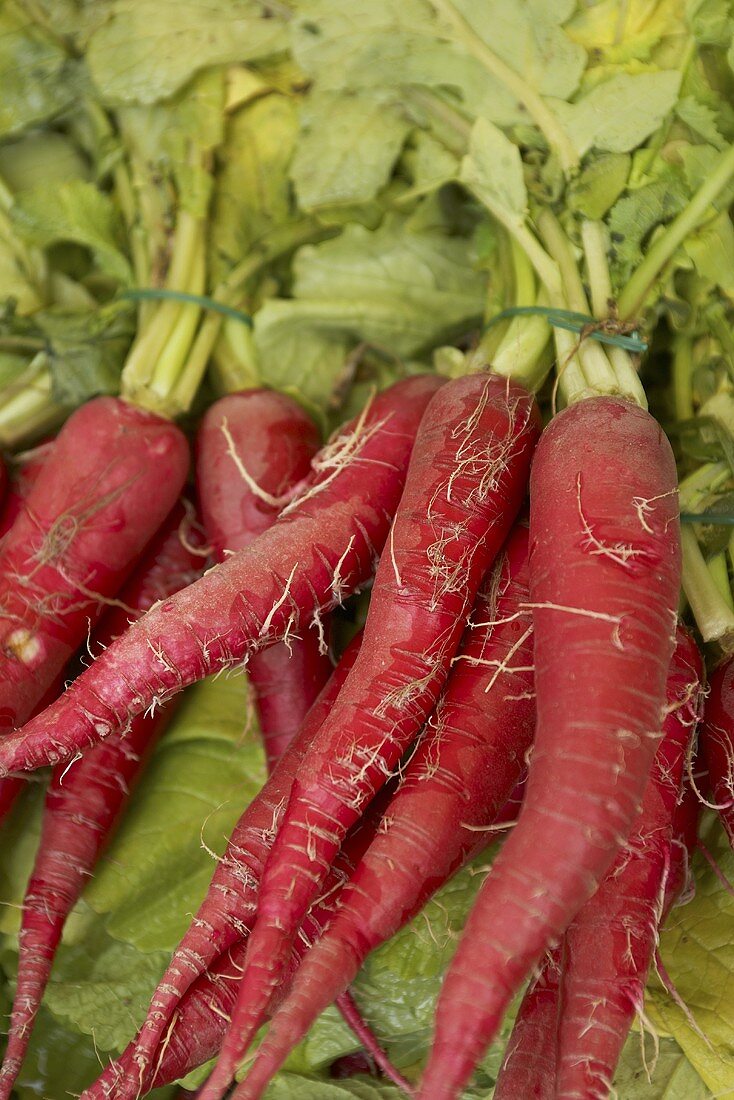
<point>253,448</point>
<point>315,555</point>
<point>114,474</point>
<point>717,742</point>
<point>22,477</point>
<point>529,1067</point>
<point>574,1019</point>
<point>604,582</point>
<point>457,781</point>
<point>227,913</point>
<point>84,802</point>
<point>466,482</point>
<point>611,944</point>
<point>123,1078</point>
<point>203,1011</point>
<point>19,485</point>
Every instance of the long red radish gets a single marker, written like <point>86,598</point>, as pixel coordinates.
<point>227,912</point>
<point>604,582</point>
<point>198,1030</point>
<point>610,946</point>
<point>574,1018</point>
<point>717,742</point>
<point>451,791</point>
<point>131,1075</point>
<point>318,552</point>
<point>84,801</point>
<point>529,1066</point>
<point>114,474</point>
<point>253,448</point>
<point>22,477</point>
<point>466,482</point>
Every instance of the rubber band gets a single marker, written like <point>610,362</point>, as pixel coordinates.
<point>163,294</point>
<point>714,519</point>
<point>572,321</point>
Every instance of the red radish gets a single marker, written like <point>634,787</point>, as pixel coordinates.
<point>529,1067</point>
<point>84,802</point>
<point>122,1078</point>
<point>227,912</point>
<point>451,791</point>
<point>318,552</point>
<point>198,1030</point>
<point>253,448</point>
<point>114,474</point>
<point>604,582</point>
<point>717,742</point>
<point>466,482</point>
<point>611,944</point>
<point>574,1019</point>
<point>22,478</point>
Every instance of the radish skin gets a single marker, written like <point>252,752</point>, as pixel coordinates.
<point>611,944</point>
<point>466,482</point>
<point>574,1019</point>
<point>322,550</point>
<point>84,802</point>
<point>717,742</point>
<point>227,912</point>
<point>452,790</point>
<point>604,581</point>
<point>529,1066</point>
<point>114,474</point>
<point>19,486</point>
<point>253,448</point>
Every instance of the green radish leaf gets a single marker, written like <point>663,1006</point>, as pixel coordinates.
<point>174,140</point>
<point>635,215</point>
<point>348,145</point>
<point>702,119</point>
<point>429,163</point>
<point>396,289</point>
<point>101,988</point>
<point>492,171</point>
<point>671,1075</point>
<point>697,949</point>
<point>47,156</point>
<point>619,114</point>
<point>205,771</point>
<point>59,1059</point>
<point>618,34</point>
<point>78,212</point>
<point>37,78</point>
<point>289,1086</point>
<point>253,193</point>
<point>85,352</point>
<point>146,50</point>
<point>600,184</point>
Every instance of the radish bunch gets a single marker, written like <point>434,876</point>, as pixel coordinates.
<point>478,652</point>
<point>289,297</point>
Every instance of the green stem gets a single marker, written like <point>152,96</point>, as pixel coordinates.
<point>512,269</point>
<point>713,614</point>
<point>451,127</point>
<point>633,297</point>
<point>597,268</point>
<point>141,362</point>
<point>126,199</point>
<point>518,86</point>
<point>682,373</point>
<point>27,409</point>
<point>719,571</point>
<point>595,366</point>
